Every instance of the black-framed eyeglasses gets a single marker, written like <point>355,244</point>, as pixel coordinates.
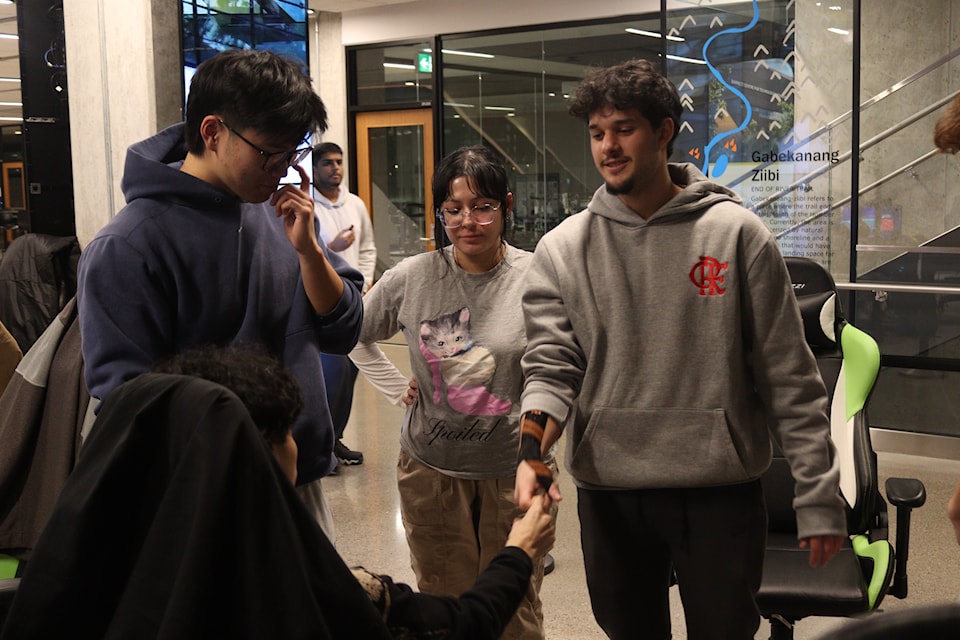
<point>272,161</point>
<point>482,214</point>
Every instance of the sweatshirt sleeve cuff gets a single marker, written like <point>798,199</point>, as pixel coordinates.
<point>546,402</point>
<point>821,521</point>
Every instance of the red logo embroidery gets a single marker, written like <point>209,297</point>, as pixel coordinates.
<point>706,274</point>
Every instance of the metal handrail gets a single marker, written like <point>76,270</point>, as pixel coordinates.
<point>870,187</point>
<point>889,91</point>
<point>877,139</point>
<point>886,248</point>
<point>896,288</point>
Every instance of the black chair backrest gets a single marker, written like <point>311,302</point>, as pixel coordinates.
<point>824,324</point>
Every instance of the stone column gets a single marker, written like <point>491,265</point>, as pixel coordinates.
<point>126,84</point>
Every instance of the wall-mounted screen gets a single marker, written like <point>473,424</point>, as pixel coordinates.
<point>212,26</point>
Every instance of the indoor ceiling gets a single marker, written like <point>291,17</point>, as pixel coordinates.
<point>10,102</point>
<point>341,6</point>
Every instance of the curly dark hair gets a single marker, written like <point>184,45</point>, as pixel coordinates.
<point>633,84</point>
<point>266,387</point>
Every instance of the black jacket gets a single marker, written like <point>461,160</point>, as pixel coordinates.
<point>178,523</point>
<point>38,275</point>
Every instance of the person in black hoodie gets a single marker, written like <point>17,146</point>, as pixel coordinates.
<point>177,522</point>
<point>272,397</point>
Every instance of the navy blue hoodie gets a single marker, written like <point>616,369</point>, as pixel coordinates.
<point>185,264</point>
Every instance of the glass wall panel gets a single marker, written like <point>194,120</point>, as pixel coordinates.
<point>767,88</point>
<point>394,74</point>
<point>508,91</point>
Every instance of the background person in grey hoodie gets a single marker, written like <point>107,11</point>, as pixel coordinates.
<point>663,335</point>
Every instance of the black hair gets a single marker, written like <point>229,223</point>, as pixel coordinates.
<point>633,84</point>
<point>485,172</point>
<point>267,388</point>
<point>322,149</point>
<point>253,89</point>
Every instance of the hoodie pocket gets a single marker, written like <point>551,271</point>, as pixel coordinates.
<point>657,448</point>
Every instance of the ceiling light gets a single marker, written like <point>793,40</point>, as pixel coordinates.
<point>11,119</point>
<point>11,104</point>
<point>397,65</point>
<point>454,52</point>
<point>500,108</point>
<point>9,79</point>
<point>652,34</point>
<point>9,36</point>
<point>471,54</point>
<point>682,59</point>
<point>840,32</point>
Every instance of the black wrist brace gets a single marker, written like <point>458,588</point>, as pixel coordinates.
<point>532,425</point>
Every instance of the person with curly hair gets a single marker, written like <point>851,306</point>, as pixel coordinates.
<point>664,338</point>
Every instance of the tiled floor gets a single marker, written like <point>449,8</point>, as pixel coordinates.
<point>369,532</point>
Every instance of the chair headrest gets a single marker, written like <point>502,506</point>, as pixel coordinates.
<point>817,297</point>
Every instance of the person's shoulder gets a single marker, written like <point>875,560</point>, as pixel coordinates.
<point>420,265</point>
<point>136,223</point>
<point>516,255</point>
<point>352,197</point>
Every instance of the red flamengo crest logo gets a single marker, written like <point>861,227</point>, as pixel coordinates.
<point>707,274</point>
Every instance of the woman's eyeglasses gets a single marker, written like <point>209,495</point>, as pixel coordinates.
<point>482,214</point>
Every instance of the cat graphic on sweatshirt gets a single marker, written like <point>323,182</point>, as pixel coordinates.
<point>465,367</point>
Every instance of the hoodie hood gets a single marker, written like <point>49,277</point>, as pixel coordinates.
<point>698,194</point>
<point>152,170</point>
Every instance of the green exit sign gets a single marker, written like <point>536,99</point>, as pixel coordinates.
<point>425,63</point>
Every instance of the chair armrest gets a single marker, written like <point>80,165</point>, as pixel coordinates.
<point>906,492</point>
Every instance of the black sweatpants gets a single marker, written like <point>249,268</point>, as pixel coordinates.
<point>713,538</point>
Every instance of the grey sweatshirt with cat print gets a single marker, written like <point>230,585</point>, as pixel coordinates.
<point>667,347</point>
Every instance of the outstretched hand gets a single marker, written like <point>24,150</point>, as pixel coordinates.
<point>295,205</point>
<point>536,531</point>
<point>527,488</point>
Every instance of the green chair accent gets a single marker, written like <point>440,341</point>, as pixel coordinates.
<point>880,553</point>
<point>8,566</point>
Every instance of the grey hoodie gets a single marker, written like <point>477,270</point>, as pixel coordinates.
<point>668,346</point>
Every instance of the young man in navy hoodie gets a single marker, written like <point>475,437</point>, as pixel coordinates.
<point>211,249</point>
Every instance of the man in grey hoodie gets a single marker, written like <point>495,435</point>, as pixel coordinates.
<point>663,335</point>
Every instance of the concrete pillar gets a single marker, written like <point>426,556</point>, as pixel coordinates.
<point>328,70</point>
<point>124,62</point>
